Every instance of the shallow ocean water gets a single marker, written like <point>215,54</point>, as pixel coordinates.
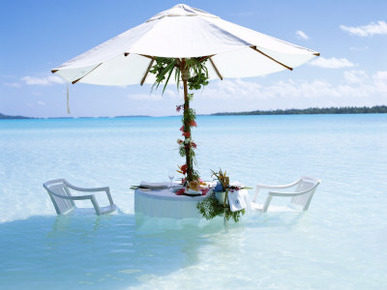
<point>338,244</point>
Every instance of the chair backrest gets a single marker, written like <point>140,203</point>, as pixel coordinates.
<point>58,190</point>
<point>308,184</point>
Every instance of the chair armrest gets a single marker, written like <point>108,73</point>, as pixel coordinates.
<point>72,197</point>
<point>97,189</point>
<point>264,186</point>
<point>271,194</point>
<point>86,189</point>
<point>284,193</point>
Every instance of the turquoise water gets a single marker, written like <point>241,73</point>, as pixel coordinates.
<point>338,244</point>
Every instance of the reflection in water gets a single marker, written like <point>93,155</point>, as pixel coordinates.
<point>99,251</point>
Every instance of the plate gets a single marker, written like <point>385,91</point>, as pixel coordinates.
<point>191,192</point>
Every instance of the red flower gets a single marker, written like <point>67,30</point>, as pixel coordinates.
<point>180,192</point>
<point>184,168</point>
<point>182,128</point>
<point>179,141</point>
<point>204,191</point>
<point>186,134</point>
<point>178,108</point>
<point>193,123</point>
<point>193,145</point>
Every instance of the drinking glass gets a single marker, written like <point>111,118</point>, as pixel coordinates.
<point>171,176</point>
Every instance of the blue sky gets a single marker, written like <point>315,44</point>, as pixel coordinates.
<point>37,36</point>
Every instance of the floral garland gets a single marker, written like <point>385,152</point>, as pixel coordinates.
<point>188,145</point>
<point>194,71</point>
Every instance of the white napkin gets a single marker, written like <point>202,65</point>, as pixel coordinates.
<point>154,185</point>
<point>193,192</point>
<point>236,200</point>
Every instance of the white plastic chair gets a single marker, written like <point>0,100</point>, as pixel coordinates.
<point>63,195</point>
<point>301,195</point>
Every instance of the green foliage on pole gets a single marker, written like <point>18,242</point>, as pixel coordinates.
<point>194,75</point>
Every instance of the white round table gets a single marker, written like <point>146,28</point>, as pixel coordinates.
<point>165,203</point>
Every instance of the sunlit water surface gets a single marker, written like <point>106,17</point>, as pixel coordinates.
<point>340,243</point>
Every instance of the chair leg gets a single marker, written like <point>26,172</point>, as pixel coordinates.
<point>96,206</point>
<point>267,203</point>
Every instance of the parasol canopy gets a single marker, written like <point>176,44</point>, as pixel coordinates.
<point>183,32</point>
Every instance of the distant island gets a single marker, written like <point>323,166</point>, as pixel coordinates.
<point>7,117</point>
<point>2,116</point>
<point>312,111</point>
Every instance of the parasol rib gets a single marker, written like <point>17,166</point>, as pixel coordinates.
<point>77,80</point>
<point>269,57</point>
<point>148,56</point>
<point>203,58</point>
<point>147,71</point>
<point>215,68</point>
<point>144,55</point>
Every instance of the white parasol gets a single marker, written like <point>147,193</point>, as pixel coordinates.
<point>184,34</point>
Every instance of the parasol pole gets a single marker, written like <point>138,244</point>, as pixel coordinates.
<point>187,126</point>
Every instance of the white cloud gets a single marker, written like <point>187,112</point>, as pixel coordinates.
<point>146,97</point>
<point>41,103</point>
<point>156,95</point>
<point>355,89</point>
<point>43,81</point>
<point>380,80</point>
<point>355,76</point>
<point>36,81</point>
<point>171,94</point>
<point>301,35</point>
<point>379,27</point>
<point>230,89</point>
<point>362,48</point>
<point>13,85</point>
<point>332,62</point>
